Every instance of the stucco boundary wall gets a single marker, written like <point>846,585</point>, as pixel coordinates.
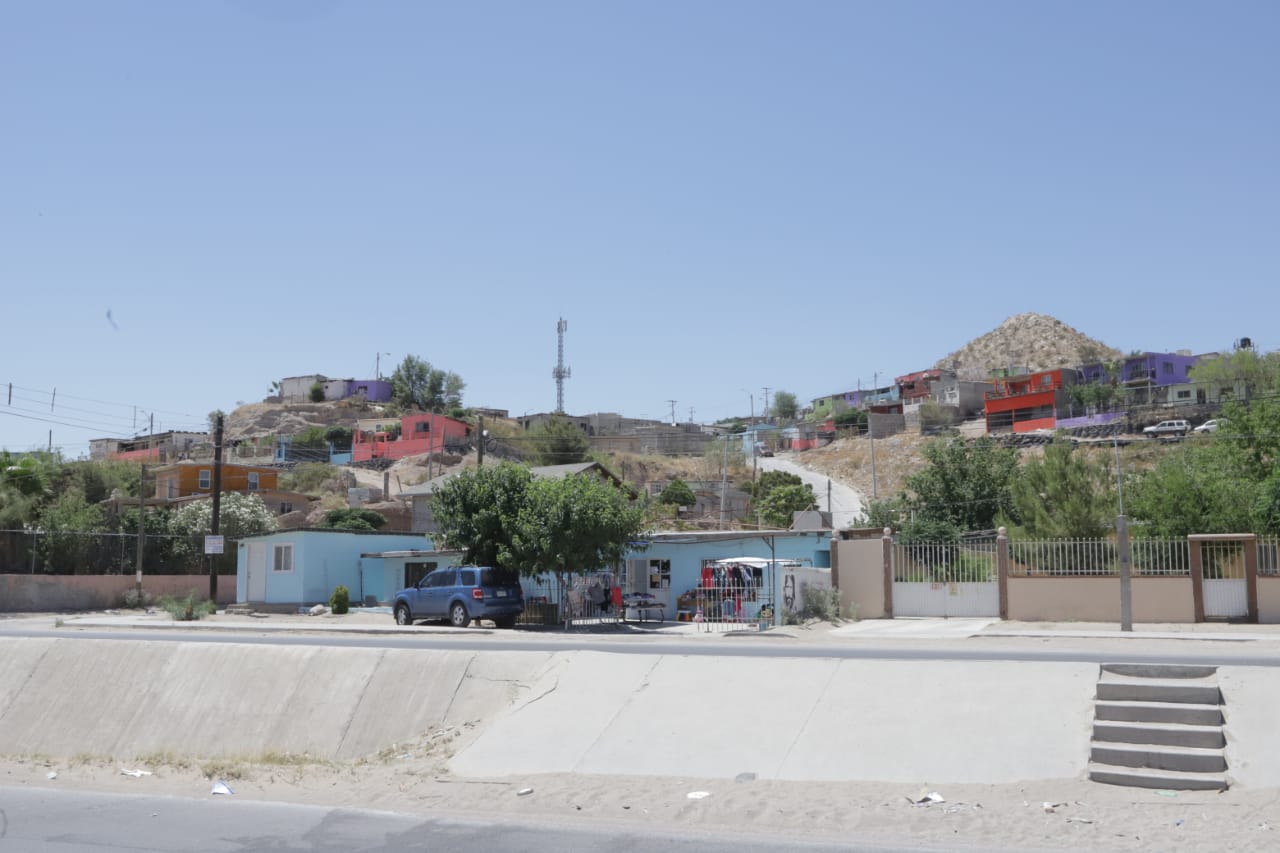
<point>44,593</point>
<point>861,572</point>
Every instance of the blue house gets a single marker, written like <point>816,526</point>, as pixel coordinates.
<point>298,567</point>
<point>669,565</point>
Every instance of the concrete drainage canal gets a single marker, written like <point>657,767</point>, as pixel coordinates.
<point>1159,726</point>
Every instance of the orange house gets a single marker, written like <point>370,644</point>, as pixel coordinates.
<point>1028,402</point>
<point>195,479</point>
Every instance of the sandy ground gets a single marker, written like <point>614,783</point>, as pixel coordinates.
<point>411,779</point>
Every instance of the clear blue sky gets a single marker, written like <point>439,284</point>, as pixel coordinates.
<point>718,197</point>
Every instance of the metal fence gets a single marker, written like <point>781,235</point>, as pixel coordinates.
<point>80,553</point>
<point>1098,557</point>
<point>1269,555</point>
<point>579,599</point>
<point>944,562</point>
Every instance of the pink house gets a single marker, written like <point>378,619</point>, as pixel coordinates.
<point>429,433</point>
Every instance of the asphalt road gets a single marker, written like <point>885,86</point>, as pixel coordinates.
<point>753,645</point>
<point>844,502</point>
<point>42,820</point>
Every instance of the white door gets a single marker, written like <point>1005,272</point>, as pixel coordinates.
<point>256,568</point>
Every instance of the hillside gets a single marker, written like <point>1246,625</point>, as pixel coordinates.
<point>1033,341</point>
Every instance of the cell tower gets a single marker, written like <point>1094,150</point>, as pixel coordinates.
<point>560,373</point>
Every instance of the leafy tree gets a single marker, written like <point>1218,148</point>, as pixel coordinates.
<point>558,441</point>
<point>311,437</point>
<point>1259,374</point>
<point>500,516</point>
<point>889,512</point>
<point>785,406</point>
<point>316,394</point>
<point>65,522</point>
<point>475,511</point>
<point>850,417</point>
<point>340,436</point>
<point>677,494</point>
<point>573,524</point>
<point>1194,489</point>
<point>770,480</point>
<point>1063,496</point>
<point>965,484</point>
<point>353,519</point>
<point>239,515</point>
<point>779,505</point>
<point>416,384</point>
<point>24,484</point>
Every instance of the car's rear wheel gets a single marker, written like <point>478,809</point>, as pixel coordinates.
<point>402,615</point>
<point>458,616</point>
<point>504,621</point>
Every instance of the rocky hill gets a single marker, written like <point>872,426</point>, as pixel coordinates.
<point>259,419</point>
<point>1032,341</point>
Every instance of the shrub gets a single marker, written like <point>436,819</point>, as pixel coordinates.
<point>135,600</point>
<point>188,608</point>
<point>340,601</point>
<point>317,392</point>
<point>820,603</point>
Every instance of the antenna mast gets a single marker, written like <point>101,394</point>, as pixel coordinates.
<point>560,373</point>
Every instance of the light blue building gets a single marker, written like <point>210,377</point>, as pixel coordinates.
<point>301,567</point>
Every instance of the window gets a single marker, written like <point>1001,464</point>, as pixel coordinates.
<point>440,579</point>
<point>286,506</point>
<point>415,572</point>
<point>282,558</point>
<point>253,481</point>
<point>1184,395</point>
<point>468,577</point>
<point>171,489</point>
<point>1167,367</point>
<point>422,426</point>
<point>206,478</point>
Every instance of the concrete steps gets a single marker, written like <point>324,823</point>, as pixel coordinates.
<point>1159,726</point>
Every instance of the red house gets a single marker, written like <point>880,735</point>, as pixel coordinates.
<point>419,434</point>
<point>914,387</point>
<point>1029,402</point>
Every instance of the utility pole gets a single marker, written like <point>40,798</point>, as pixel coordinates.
<point>672,403</point>
<point>691,414</point>
<point>754,459</point>
<point>1122,545</point>
<point>217,504</point>
<point>142,512</point>
<point>480,443</point>
<point>875,385</point>
<point>724,477</point>
<point>765,413</point>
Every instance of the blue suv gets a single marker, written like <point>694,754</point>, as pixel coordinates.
<point>461,594</point>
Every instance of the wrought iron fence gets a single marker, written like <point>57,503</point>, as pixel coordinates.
<point>1269,555</point>
<point>1098,557</point>
<point>944,562</point>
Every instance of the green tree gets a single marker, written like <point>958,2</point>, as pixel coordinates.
<point>677,494</point>
<point>573,524</point>
<point>1194,489</point>
<point>1062,496</point>
<point>966,484</point>
<point>778,507</point>
<point>312,437</point>
<point>501,516</point>
<point>24,484</point>
<point>340,436</point>
<point>316,394</point>
<point>785,405</point>
<point>1257,373</point>
<point>558,441</point>
<point>770,480</point>
<point>239,515</point>
<point>475,511</point>
<point>850,418</point>
<point>66,523</point>
<point>416,384</point>
<point>353,519</point>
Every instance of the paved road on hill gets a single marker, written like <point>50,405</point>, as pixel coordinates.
<point>844,502</point>
<point>766,646</point>
<point>35,819</point>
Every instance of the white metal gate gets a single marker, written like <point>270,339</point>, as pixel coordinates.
<point>1226,588</point>
<point>944,579</point>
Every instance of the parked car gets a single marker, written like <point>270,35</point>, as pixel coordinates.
<point>1207,426</point>
<point>762,449</point>
<point>1168,428</point>
<point>461,594</point>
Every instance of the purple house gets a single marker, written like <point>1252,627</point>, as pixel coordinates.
<point>374,390</point>
<point>1145,372</point>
